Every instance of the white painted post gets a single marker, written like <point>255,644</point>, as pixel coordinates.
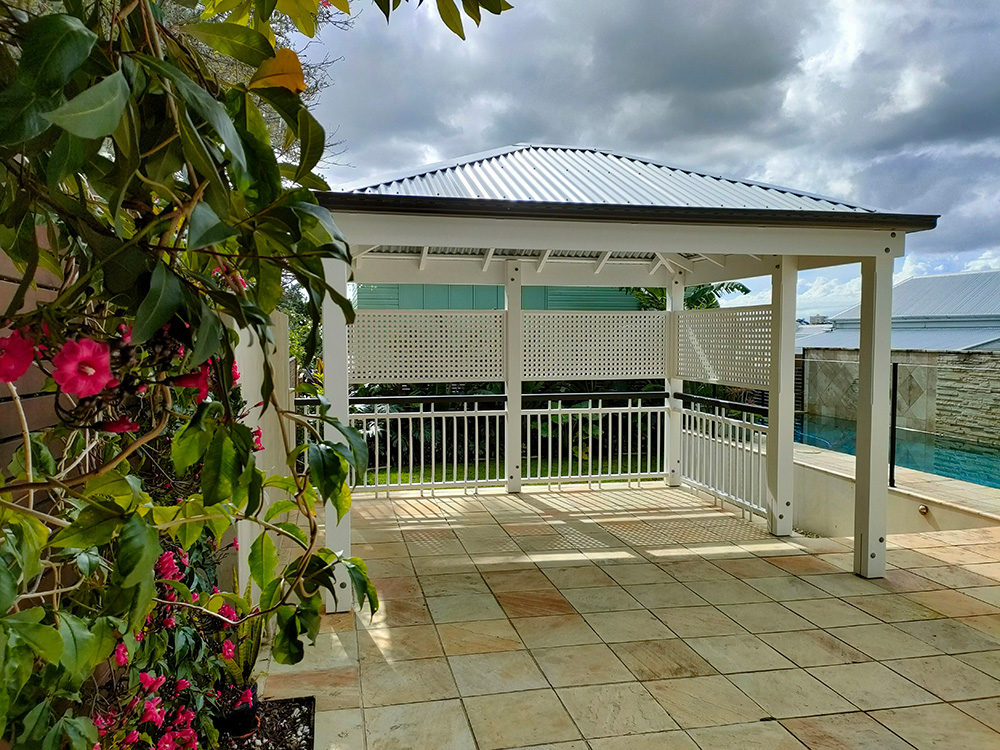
<point>781,401</point>
<point>513,373</point>
<point>675,295</point>
<point>872,462</point>
<point>338,536</point>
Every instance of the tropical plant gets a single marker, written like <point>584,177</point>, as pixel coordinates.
<point>150,190</point>
<point>696,296</point>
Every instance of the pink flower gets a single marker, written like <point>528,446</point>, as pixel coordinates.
<point>150,682</point>
<point>182,685</point>
<point>229,613</point>
<point>228,650</point>
<point>245,697</point>
<point>166,567</point>
<point>184,555</point>
<point>258,444</point>
<point>83,368</point>
<point>131,737</point>
<point>236,544</point>
<point>197,380</point>
<point>126,332</point>
<point>169,622</point>
<point>236,373</point>
<point>121,424</point>
<point>16,354</point>
<point>151,713</point>
<point>121,655</point>
<point>166,742</point>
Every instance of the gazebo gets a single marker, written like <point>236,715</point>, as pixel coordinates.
<point>551,215</point>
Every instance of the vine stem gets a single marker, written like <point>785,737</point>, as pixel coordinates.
<point>34,514</point>
<point>26,436</point>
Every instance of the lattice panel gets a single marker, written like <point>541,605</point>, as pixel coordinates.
<point>426,346</point>
<point>730,346</point>
<point>594,345</point>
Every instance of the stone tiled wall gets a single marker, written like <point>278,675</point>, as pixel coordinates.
<point>948,393</point>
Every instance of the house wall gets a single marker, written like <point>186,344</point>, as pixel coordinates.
<point>956,394</point>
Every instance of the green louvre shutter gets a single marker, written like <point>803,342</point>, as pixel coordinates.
<point>468,297</point>
<point>577,298</point>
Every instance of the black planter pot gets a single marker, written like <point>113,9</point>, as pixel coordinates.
<point>242,721</point>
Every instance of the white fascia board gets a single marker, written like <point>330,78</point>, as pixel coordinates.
<point>597,237</point>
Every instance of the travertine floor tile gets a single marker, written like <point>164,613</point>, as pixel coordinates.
<point>436,564</point>
<point>655,595</point>
<point>844,732</point>
<point>590,664</point>
<point>790,692</point>
<point>950,636</point>
<point>435,547</point>
<point>484,636</point>
<point>803,565</point>
<point>384,684</point>
<point>662,660</point>
<point>601,599</point>
<point>768,735</point>
<point>883,641</point>
<point>892,607</point>
<point>938,725</point>
<point>953,576</point>
<point>441,725</point>
<point>339,730</point>
<point>813,648</point>
<point>695,622</point>
<point>751,567</point>
<point>844,584</point>
<point>872,685</point>
<point>726,592</point>
<point>766,617</point>
<point>630,575</point>
<point>617,709</point>
<point>830,613</point>
<point>518,719</point>
<point>517,580</point>
<point>396,613</point>
<point>947,677</point>
<point>333,688</point>
<point>696,570</point>
<point>390,568</point>
<point>503,672</point>
<point>468,608</point>
<point>738,653</point>
<point>331,651</point>
<point>988,594</point>
<point>399,644</point>
<point>988,624</point>
<point>632,625</point>
<point>985,661</point>
<point>406,587</point>
<point>908,559</point>
<point>534,603</point>
<point>952,603</point>
<point>560,630</point>
<point>704,701</point>
<point>987,711</point>
<point>786,588</point>
<point>655,741</point>
<point>580,576</point>
<point>453,584</point>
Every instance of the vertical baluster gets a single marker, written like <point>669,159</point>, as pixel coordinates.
<point>600,442</point>
<point>590,442</point>
<point>559,444</point>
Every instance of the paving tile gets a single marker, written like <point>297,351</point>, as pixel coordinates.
<point>333,688</point>
<point>632,625</point>
<point>953,576</point>
<point>331,651</point>
<point>768,735</point>
<point>766,617</point>
<point>696,570</point>
<point>630,575</point>
<point>517,580</point>
<point>892,607</point>
<point>950,636</point>
<point>654,741</point>
<point>952,603</point>
<point>844,732</point>
<point>396,613</point>
<point>844,584</point>
<point>751,567</point>
<point>453,584</point>
<point>883,641</point>
<point>441,725</point>
<point>738,653</point>
<point>481,637</point>
<point>384,684</point>
<point>399,644</point>
<point>984,661</point>
<point>803,565</point>
<point>872,685</point>
<point>380,551</point>
<point>790,692</point>
<point>988,594</point>
<point>662,660</point>
<point>339,730</point>
<point>902,581</point>
<point>813,648</point>
<point>786,588</point>
<point>655,595</point>
<point>559,630</point>
<point>534,603</point>
<point>615,710</point>
<point>612,557</point>
<point>405,587</point>
<point>988,624</point>
<point>390,568</point>
<point>947,677</point>
<point>600,599</point>
<point>468,608</point>
<point>435,547</point>
<point>694,622</point>
<point>938,725</point>
<point>726,592</point>
<point>504,672</point>
<point>986,710</point>
<point>438,564</point>
<point>517,719</point>
<point>581,665</point>
<point>580,576</point>
<point>830,613</point>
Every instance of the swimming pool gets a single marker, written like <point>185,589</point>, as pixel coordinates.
<point>934,454</point>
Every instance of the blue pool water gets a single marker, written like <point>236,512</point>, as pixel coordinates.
<point>934,454</point>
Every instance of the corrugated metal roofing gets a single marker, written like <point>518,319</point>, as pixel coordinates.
<point>971,294</point>
<point>934,339</point>
<point>560,174</point>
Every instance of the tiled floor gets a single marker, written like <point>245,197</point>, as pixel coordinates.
<point>642,619</point>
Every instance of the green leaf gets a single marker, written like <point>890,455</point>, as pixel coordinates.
<point>96,525</point>
<point>327,470</point>
<point>220,472</point>
<point>471,8</point>
<point>263,559</point>
<point>79,644</point>
<point>276,509</point>
<point>67,158</point>
<point>312,141</point>
<point>55,45</point>
<point>209,336</point>
<point>8,588</point>
<point>44,640</point>
<point>191,442</point>
<point>239,42</point>
<point>138,549</point>
<point>363,586</point>
<point>295,531</point>
<point>206,229</point>
<point>451,17</point>
<point>189,533</point>
<point>287,648</point>
<point>96,112</point>
<point>166,294</point>
<point>359,446</point>
<point>311,181</point>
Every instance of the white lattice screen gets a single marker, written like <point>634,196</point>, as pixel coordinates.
<point>731,346</point>
<point>426,346</point>
<point>594,345</point>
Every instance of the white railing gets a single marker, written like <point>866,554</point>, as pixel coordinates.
<point>607,439</point>
<point>725,455</point>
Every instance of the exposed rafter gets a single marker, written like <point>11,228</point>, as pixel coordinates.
<point>602,262</point>
<point>488,258</point>
<point>424,253</point>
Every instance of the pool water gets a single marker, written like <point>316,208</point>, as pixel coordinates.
<point>934,454</point>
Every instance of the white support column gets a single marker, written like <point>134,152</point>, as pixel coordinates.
<point>675,294</point>
<point>872,463</point>
<point>338,536</point>
<point>513,372</point>
<point>781,401</point>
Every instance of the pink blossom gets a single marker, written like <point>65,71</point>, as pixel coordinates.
<point>184,555</point>
<point>150,682</point>
<point>245,697</point>
<point>236,544</point>
<point>258,444</point>
<point>228,650</point>
<point>169,622</point>
<point>83,368</point>
<point>166,567</point>
<point>170,595</point>
<point>126,332</point>
<point>121,424</point>
<point>151,712</point>
<point>16,354</point>
<point>229,613</point>
<point>236,373</point>
<point>140,635</point>
<point>121,655</point>
<point>197,380</point>
<point>182,685</point>
<point>131,737</point>
<point>166,742</point>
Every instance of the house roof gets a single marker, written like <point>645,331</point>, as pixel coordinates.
<point>973,296</point>
<point>542,181</point>
<point>929,339</point>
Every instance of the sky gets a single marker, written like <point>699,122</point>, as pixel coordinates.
<point>890,105</point>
